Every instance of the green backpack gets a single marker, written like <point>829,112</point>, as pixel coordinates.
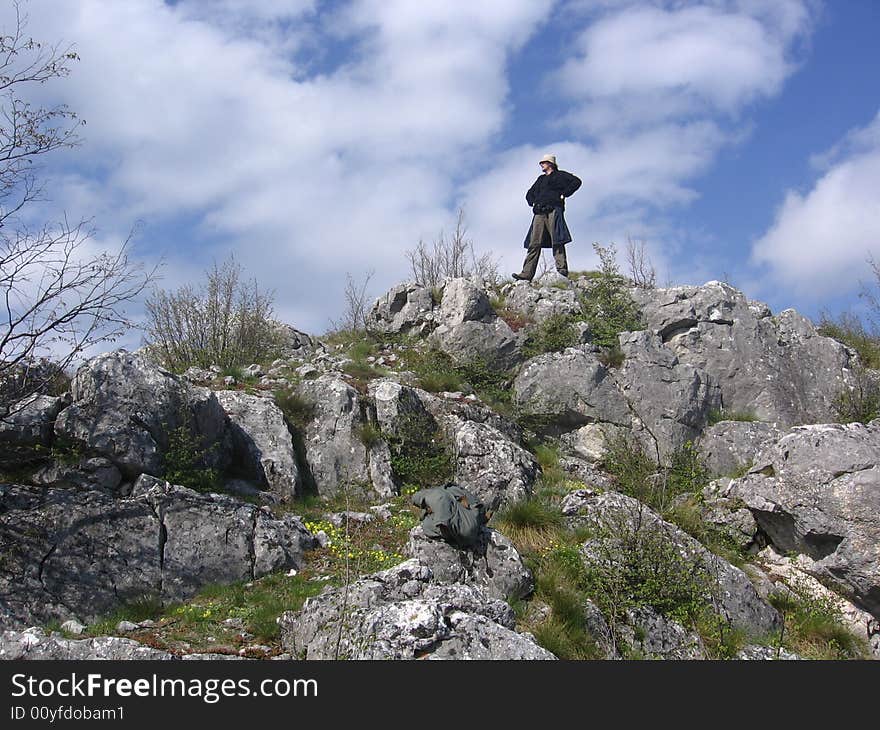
<point>451,513</point>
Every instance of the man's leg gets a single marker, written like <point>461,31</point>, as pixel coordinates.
<point>530,266</point>
<point>560,259</point>
<point>558,249</point>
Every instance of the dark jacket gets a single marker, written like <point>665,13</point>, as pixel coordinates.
<point>552,190</point>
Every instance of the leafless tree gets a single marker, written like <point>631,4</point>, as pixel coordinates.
<point>58,298</point>
<point>453,257</point>
<point>224,321</point>
<point>354,318</point>
<point>641,268</point>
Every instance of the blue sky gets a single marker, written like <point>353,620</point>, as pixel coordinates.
<point>739,139</point>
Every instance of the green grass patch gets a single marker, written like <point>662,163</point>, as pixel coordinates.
<point>716,415</point>
<point>849,330</point>
<point>813,627</point>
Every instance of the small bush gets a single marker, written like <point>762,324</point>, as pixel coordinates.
<point>185,462</point>
<point>530,513</point>
<point>609,308</point>
<point>813,626</point>
<point>554,334</point>
<point>224,321</point>
<point>849,330</point>
<point>369,434</point>
<point>861,402</point>
<point>296,409</point>
<point>419,454</point>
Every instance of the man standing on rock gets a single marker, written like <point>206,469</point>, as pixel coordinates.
<point>547,200</point>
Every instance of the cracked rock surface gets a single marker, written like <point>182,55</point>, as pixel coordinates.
<point>69,554</point>
<point>402,614</point>
<point>816,491</point>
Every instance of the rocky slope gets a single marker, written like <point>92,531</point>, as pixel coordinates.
<point>91,521</point>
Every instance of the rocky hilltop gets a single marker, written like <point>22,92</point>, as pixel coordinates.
<point>141,485</point>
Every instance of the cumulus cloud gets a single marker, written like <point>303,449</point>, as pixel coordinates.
<point>314,138</point>
<point>206,114</point>
<point>820,240</point>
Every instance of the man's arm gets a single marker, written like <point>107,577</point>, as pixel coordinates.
<point>572,183</point>
<point>533,191</point>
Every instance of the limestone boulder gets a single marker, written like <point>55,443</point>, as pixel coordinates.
<point>406,308</point>
<point>816,491</point>
<point>727,447</point>
<point>124,407</point>
<point>263,447</point>
<point>777,368</point>
<point>493,564</point>
<point>73,554</point>
<point>401,613</point>
<point>468,328</point>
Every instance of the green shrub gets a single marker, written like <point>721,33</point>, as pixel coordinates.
<point>369,434</point>
<point>420,456</point>
<point>860,402</point>
<point>185,462</point>
<point>686,473</point>
<point>634,473</point>
<point>530,513</point>
<point>813,626</point>
<point>636,564</point>
<point>608,308</point>
<point>849,330</point>
<point>554,334</point>
<point>224,321</point>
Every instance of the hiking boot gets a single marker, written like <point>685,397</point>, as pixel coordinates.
<point>520,277</point>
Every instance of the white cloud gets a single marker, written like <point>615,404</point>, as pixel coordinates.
<point>820,240</point>
<point>208,112</point>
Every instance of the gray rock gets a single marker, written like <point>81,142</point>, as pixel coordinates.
<point>585,472</point>
<point>648,635</point>
<point>35,644</point>
<point>670,401</point>
<point>87,473</point>
<point>405,308</point>
<point>72,626</point>
<point>123,407</point>
<point>816,491</point>
<point>778,367</point>
<point>69,553</point>
<point>590,442</point>
<point>401,614</point>
<point>199,375</point>
<point>728,446</point>
<point>335,452</point>
<point>31,420</point>
<point>540,303</point>
<point>262,443</point>
<point>493,565</point>
<point>295,344</point>
<point>618,515</point>
<point>488,463</point>
<point>469,330</point>
<point>567,390</point>
<point>755,652</point>
<point>125,627</point>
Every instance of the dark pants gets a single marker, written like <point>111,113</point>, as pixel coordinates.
<point>540,223</point>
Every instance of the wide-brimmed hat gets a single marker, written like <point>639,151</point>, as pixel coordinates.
<point>548,158</point>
